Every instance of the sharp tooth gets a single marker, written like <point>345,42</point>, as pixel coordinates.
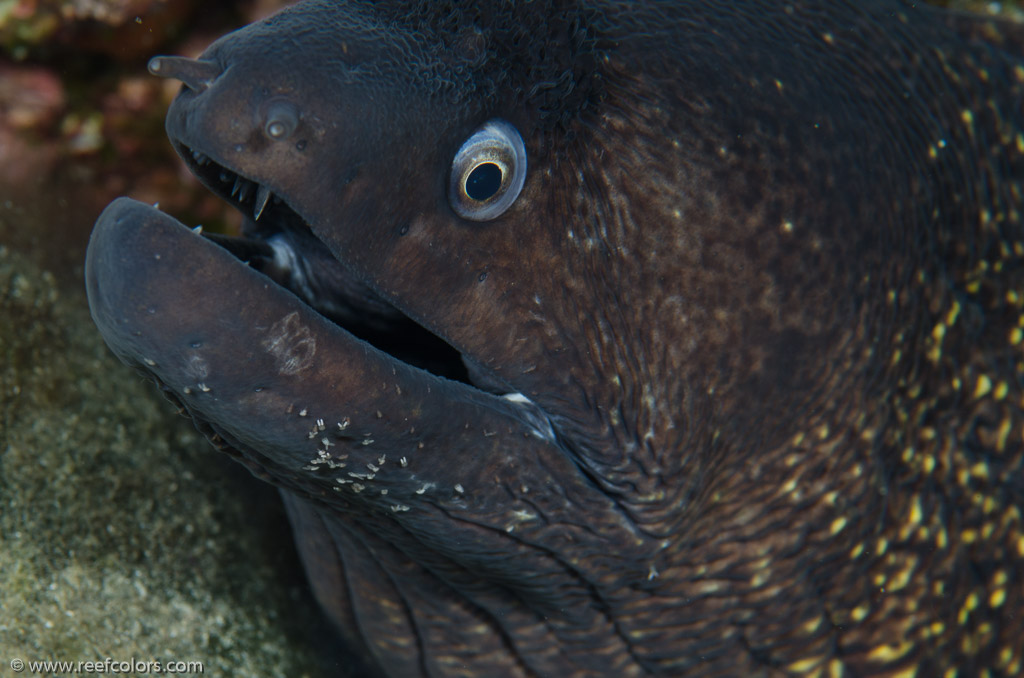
<point>198,229</point>
<point>262,196</point>
<point>200,158</point>
<point>224,176</point>
<point>244,192</point>
<point>238,185</point>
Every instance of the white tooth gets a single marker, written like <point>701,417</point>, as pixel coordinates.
<point>238,185</point>
<point>262,196</point>
<point>198,229</point>
<point>244,193</point>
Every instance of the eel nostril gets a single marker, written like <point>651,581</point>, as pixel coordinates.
<point>196,74</point>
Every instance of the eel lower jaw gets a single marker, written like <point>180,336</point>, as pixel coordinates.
<point>249,356</point>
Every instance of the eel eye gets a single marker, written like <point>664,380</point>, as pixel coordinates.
<point>281,120</point>
<point>488,172</point>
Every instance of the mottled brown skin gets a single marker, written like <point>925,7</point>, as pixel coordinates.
<point>764,282</point>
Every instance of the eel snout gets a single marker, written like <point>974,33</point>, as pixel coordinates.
<point>196,74</point>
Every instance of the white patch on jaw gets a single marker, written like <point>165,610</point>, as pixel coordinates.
<point>291,344</point>
<point>196,366</point>
<point>539,423</point>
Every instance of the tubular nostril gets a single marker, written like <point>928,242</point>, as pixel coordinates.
<point>196,74</point>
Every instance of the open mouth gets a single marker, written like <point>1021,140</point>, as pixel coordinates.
<point>277,242</point>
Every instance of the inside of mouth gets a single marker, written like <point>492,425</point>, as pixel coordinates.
<point>278,243</point>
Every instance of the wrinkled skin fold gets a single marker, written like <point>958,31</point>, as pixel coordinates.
<point>732,387</point>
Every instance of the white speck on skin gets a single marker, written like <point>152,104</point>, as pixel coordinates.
<point>540,425</point>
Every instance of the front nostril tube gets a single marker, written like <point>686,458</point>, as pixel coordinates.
<point>195,73</point>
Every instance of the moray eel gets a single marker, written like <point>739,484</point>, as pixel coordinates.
<point>611,337</point>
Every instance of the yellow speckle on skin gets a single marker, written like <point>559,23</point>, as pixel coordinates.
<point>1000,391</point>
<point>856,551</point>
<point>910,672</point>
<point>901,579</point>
<point>1016,336</point>
<point>954,312</point>
<point>938,332</point>
<point>967,117</point>
<point>859,613</point>
<point>937,628</point>
<point>837,525</point>
<point>803,666</point>
<point>828,38</point>
<point>997,598</point>
<point>950,673</point>
<point>915,511</point>
<point>812,626</point>
<point>888,653</point>
<point>778,84</point>
<point>787,226</point>
<point>1005,426</point>
<point>881,546</point>
<point>983,386</point>
<point>927,463</point>
<point>835,669</point>
<point>963,477</point>
<point>971,602</point>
